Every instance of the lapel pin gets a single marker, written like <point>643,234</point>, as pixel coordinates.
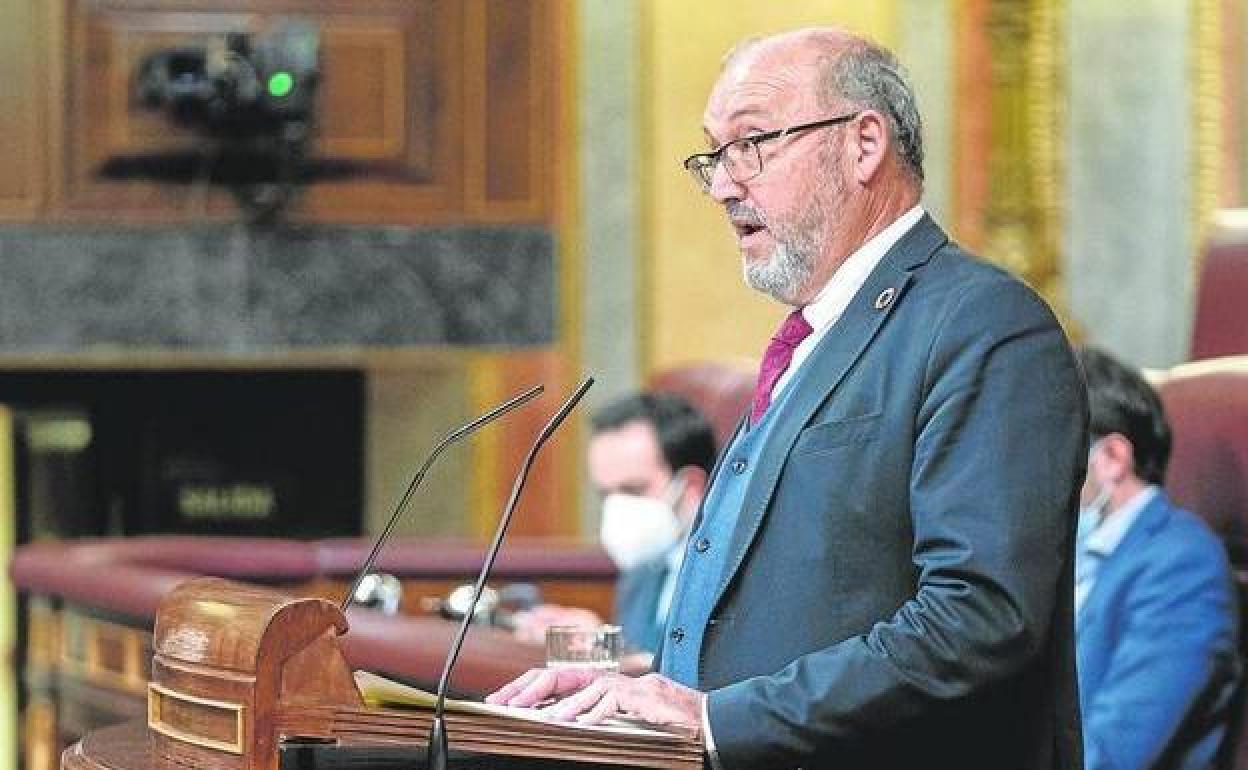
<point>885,298</point>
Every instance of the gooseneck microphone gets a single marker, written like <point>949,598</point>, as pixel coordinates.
<point>437,751</point>
<point>451,438</point>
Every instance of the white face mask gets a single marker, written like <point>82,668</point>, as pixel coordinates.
<point>1090,515</point>
<point>638,529</point>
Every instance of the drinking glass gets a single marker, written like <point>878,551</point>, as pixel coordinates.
<point>583,647</point>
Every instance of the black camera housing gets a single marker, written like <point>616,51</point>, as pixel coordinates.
<point>238,85</point>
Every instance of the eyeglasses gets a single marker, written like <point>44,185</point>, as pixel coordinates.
<point>741,158</point>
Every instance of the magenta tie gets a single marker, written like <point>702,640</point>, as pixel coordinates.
<point>776,359</point>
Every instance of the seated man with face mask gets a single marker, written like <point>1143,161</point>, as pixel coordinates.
<point>1155,621</point>
<point>649,458</point>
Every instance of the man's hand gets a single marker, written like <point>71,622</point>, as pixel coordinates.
<point>652,699</point>
<point>540,685</point>
<point>591,696</point>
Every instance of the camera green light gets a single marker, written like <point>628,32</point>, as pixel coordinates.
<point>281,84</point>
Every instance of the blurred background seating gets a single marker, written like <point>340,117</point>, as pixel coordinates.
<point>1207,404</point>
<point>1220,325</point>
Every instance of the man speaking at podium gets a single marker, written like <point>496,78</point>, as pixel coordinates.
<point>880,574</point>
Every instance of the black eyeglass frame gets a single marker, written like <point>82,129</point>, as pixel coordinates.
<point>702,164</point>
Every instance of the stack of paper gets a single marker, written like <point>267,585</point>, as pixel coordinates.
<point>401,715</point>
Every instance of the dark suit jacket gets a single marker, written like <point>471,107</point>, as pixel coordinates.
<point>899,590</point>
<point>636,602</point>
<point>1156,646</point>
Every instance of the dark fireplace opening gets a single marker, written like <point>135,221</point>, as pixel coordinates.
<point>223,452</point>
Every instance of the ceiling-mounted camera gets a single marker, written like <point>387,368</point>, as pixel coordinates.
<point>253,99</point>
<point>237,85</point>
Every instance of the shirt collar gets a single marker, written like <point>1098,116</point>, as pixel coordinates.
<point>836,294</point>
<point>1113,528</point>
<point>676,555</point>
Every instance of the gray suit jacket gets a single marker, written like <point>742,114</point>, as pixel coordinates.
<point>899,588</point>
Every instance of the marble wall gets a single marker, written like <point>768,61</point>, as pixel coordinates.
<point>925,46</point>
<point>1128,250</point>
<point>609,117</point>
<point>609,112</point>
<point>231,289</point>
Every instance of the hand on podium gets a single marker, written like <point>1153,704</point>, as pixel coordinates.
<point>592,696</point>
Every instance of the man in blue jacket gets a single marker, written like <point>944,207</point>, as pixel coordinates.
<point>880,575</point>
<point>1155,622</point>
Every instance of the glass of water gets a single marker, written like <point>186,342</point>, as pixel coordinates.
<point>583,647</point>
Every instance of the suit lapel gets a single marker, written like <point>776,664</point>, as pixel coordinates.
<point>822,373</point>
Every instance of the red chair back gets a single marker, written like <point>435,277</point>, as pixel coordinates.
<point>1220,326</point>
<point>1207,405</point>
<point>720,389</point>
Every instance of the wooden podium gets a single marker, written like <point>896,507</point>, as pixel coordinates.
<point>245,678</point>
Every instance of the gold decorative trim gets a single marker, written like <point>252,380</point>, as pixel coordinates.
<point>1022,219</point>
<point>1205,76</point>
<point>43,637</point>
<point>154,695</point>
<point>1046,89</point>
<point>39,735</point>
<point>485,383</point>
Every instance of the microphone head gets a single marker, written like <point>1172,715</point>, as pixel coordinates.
<point>379,591</point>
<point>457,603</point>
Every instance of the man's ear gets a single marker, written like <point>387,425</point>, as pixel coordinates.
<point>869,143</point>
<point>1118,457</point>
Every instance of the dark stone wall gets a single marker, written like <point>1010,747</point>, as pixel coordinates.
<point>232,289</point>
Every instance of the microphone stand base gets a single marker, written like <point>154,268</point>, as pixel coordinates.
<point>436,755</point>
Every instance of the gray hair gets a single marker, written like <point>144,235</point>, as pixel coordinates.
<point>866,75</point>
<point>869,76</point>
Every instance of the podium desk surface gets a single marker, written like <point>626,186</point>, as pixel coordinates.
<point>126,747</point>
<point>120,747</point>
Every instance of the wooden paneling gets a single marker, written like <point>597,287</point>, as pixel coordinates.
<point>429,111</point>
<point>510,86</point>
<point>395,113</point>
<point>21,109</point>
<point>369,119</point>
<point>507,75</point>
<point>547,507</point>
<point>103,653</point>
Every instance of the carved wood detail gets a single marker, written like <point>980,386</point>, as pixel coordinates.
<point>430,111</point>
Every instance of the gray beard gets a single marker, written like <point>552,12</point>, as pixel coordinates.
<point>787,274</point>
<point>784,275</point>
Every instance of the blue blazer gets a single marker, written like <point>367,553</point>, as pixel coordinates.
<point>898,591</point>
<point>1156,646</point>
